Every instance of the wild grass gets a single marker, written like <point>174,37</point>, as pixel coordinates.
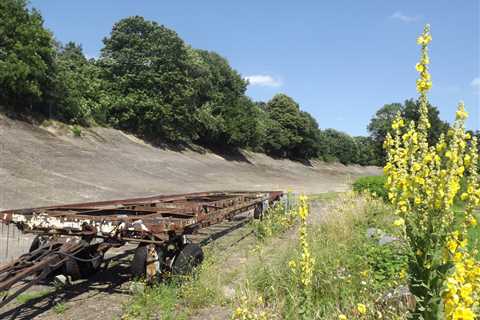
<point>350,268</point>
<point>176,297</point>
<point>344,273</point>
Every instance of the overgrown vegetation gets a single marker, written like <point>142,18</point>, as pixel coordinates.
<point>375,185</point>
<point>352,272</point>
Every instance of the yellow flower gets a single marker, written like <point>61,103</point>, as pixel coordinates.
<point>342,317</point>
<point>472,221</point>
<point>416,167</point>
<point>461,114</point>
<point>292,264</point>
<point>399,222</point>
<point>466,291</point>
<point>452,245</point>
<point>419,67</point>
<point>361,308</point>
<point>462,313</point>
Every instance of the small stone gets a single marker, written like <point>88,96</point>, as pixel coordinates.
<point>374,232</point>
<point>229,292</point>
<point>386,239</point>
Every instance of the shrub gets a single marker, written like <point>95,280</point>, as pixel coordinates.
<point>372,184</point>
<point>76,131</point>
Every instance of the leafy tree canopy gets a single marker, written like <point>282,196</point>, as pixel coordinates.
<point>26,56</point>
<point>146,67</point>
<point>381,123</point>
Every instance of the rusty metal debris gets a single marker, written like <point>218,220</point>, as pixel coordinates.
<point>72,239</point>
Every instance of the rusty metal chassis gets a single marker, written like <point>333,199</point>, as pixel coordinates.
<point>150,220</point>
<point>83,232</point>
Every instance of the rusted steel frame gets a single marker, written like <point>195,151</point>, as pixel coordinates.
<point>203,213</point>
<point>180,211</point>
<point>125,202</point>
<point>202,221</point>
<point>56,210</point>
<point>150,224</point>
<point>54,259</point>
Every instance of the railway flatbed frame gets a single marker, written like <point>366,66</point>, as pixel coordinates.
<point>72,239</point>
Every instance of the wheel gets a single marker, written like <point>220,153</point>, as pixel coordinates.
<point>138,266</point>
<point>187,259</point>
<point>258,212</point>
<point>83,269</point>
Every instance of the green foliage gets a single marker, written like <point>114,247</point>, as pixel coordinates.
<point>290,132</point>
<point>77,87</point>
<point>77,131</point>
<point>277,219</point>
<point>387,262</point>
<point>148,81</point>
<point>145,66</point>
<point>366,152</point>
<point>29,296</point>
<point>60,308</point>
<point>381,123</point>
<point>26,57</point>
<point>159,301</point>
<point>338,145</point>
<point>372,184</point>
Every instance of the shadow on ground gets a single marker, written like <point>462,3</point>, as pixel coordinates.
<point>107,281</point>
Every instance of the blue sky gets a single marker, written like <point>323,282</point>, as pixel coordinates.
<point>341,60</point>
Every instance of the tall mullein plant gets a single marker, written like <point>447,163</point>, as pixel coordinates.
<point>423,181</point>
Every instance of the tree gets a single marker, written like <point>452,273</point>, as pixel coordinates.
<point>381,123</point>
<point>77,86</point>
<point>26,56</point>
<point>146,67</point>
<point>337,146</point>
<point>224,116</point>
<point>437,126</point>
<point>289,132</point>
<point>366,152</point>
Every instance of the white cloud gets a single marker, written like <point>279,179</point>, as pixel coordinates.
<point>404,18</point>
<point>89,56</point>
<point>263,80</point>
<point>476,84</point>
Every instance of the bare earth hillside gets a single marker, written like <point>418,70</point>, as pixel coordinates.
<point>42,165</point>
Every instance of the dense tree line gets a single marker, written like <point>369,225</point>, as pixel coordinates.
<point>148,81</point>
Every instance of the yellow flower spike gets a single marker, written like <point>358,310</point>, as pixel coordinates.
<point>342,317</point>
<point>422,183</point>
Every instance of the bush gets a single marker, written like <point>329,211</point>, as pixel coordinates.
<point>76,131</point>
<point>371,184</point>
